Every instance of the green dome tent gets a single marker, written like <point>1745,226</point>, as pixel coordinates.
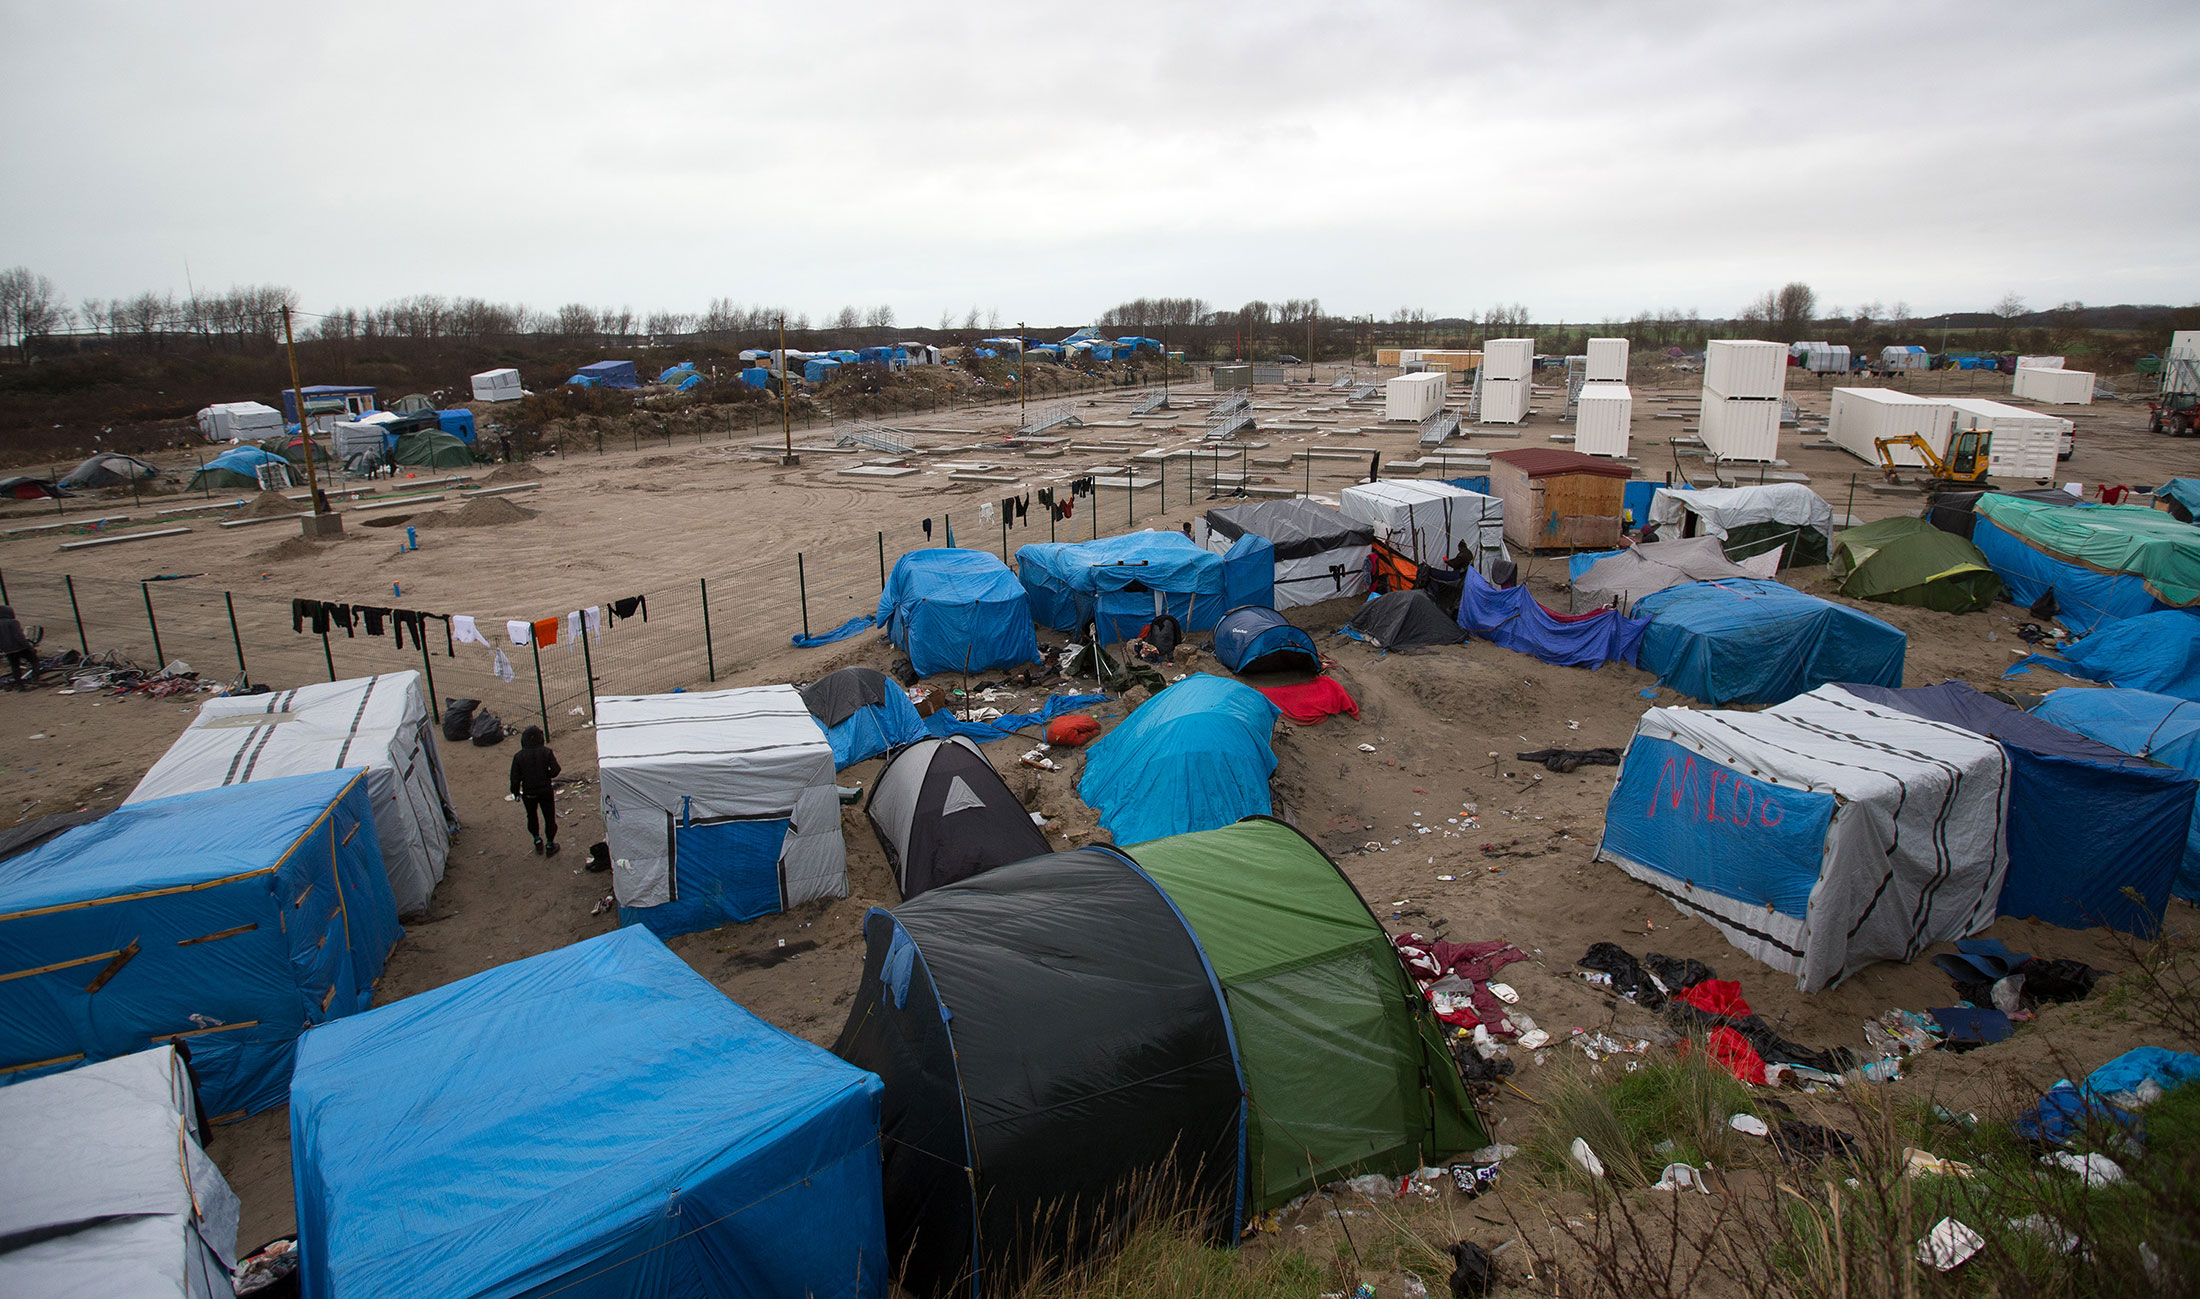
<point>431,449</point>
<point>1345,1066</point>
<point>1906,560</point>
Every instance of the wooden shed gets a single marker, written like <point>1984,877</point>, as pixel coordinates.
<point>1559,500</point>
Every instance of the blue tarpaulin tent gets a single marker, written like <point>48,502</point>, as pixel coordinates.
<point>236,467</point>
<point>1249,573</point>
<point>607,374</point>
<point>2186,493</point>
<point>819,371</point>
<point>2157,651</point>
<point>954,610</point>
<point>1258,639</point>
<point>458,423</point>
<point>672,374</point>
<point>2067,869</point>
<point>239,916</point>
<point>2149,725</point>
<point>1516,620</point>
<point>597,1120</point>
<point>1194,757</point>
<point>756,376</point>
<point>864,713</point>
<point>1115,581</point>
<point>1755,641</point>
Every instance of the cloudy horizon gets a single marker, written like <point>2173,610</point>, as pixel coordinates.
<point>1589,161</point>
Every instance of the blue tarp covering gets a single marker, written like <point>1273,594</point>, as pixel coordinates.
<point>610,374</point>
<point>2085,598</point>
<point>953,610</point>
<point>689,382</point>
<point>256,910</point>
<point>818,371</point>
<point>945,724</point>
<point>2067,869</point>
<point>837,634</point>
<point>1112,581</point>
<point>458,423</point>
<point>756,376</point>
<point>594,1121</point>
<point>2149,725</point>
<point>2157,651</point>
<point>1754,641</point>
<point>869,732</point>
<point>1676,811</point>
<point>729,873</point>
<point>672,373</point>
<point>1249,573</point>
<point>1250,634</point>
<point>1479,484</point>
<point>1194,757</point>
<point>2184,491</point>
<point>244,460</point>
<point>1635,500</point>
<point>1516,620</point>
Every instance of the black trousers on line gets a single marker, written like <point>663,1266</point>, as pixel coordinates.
<point>545,802</point>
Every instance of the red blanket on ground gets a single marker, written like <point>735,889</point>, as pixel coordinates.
<point>1309,703</point>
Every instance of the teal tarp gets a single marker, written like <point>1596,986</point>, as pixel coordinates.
<point>1194,757</point>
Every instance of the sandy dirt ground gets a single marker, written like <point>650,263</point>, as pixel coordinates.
<point>658,520</point>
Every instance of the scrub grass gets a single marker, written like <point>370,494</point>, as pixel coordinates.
<point>1668,1109</point>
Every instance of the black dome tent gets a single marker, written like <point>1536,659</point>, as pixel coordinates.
<point>943,814</point>
<point>1057,1058</point>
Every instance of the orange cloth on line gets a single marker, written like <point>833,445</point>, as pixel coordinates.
<point>546,631</point>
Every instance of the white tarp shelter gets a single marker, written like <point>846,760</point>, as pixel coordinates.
<point>240,421</point>
<point>1820,835</point>
<point>380,723</point>
<point>1722,511</point>
<point>718,806</point>
<point>105,1190</point>
<point>1320,553</point>
<point>1619,579</point>
<point>1425,522</point>
<point>498,385</point>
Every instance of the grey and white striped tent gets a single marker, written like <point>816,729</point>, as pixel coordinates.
<point>943,814</point>
<point>380,723</point>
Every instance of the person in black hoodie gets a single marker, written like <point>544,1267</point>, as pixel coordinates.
<point>533,768</point>
<point>22,655</point>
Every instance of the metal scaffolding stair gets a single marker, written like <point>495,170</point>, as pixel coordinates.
<point>1151,402</point>
<point>1050,417</point>
<point>874,436</point>
<point>1436,428</point>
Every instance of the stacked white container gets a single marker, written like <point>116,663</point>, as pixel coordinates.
<point>1602,417</point>
<point>1861,416</point>
<point>1507,364</point>
<point>1414,396</point>
<point>1607,361</point>
<point>2054,387</point>
<point>1743,381</point>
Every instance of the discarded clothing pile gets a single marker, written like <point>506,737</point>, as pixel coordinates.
<point>945,724</point>
<point>1700,1005</point>
<point>1455,978</point>
<point>1987,973</point>
<point>1309,702</point>
<point>1564,760</point>
<point>1649,982</point>
<point>2110,1097</point>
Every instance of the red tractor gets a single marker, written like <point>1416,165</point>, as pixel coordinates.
<point>2176,415</point>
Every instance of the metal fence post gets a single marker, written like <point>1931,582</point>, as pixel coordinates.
<point>146,589</point>
<point>78,614</point>
<point>881,565</point>
<point>947,529</point>
<point>588,665</point>
<point>710,656</point>
<point>802,591</point>
<point>1004,536</point>
<point>542,700</point>
<point>4,588</point>
<point>243,674</point>
<point>427,667</point>
<point>327,653</point>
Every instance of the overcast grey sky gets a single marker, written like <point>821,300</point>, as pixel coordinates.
<point>1587,160</point>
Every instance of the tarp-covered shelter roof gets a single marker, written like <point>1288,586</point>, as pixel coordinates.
<point>598,1119</point>
<point>1753,641</point>
<point>1548,462</point>
<point>1616,579</point>
<point>956,610</point>
<point>610,374</point>
<point>2147,544</point>
<point>1750,520</point>
<point>1116,580</point>
<point>2158,652</point>
<point>1193,757</point>
<point>1511,617</point>
<point>864,713</point>
<point>2148,725</point>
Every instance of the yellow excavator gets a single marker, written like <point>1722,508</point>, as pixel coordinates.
<point>1965,465</point>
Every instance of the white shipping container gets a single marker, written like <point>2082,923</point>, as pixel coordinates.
<point>1602,418</point>
<point>1508,358</point>
<point>1504,401</point>
<point>2185,342</point>
<point>1740,428</point>
<point>1739,367</point>
<point>2026,442</point>
<point>1861,416</point>
<point>2054,387</point>
<point>2040,362</point>
<point>1607,361</point>
<point>1414,397</point>
<point>498,385</point>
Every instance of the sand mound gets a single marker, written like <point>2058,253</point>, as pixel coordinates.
<point>660,462</point>
<point>480,512</point>
<point>269,504</point>
<point>295,548</point>
<point>512,473</point>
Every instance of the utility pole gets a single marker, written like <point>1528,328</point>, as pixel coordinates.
<point>786,419</point>
<point>322,522</point>
<point>1164,377</point>
<point>1021,376</point>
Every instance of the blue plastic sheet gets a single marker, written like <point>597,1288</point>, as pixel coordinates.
<point>1755,641</point>
<point>2085,598</point>
<point>880,728</point>
<point>945,724</point>
<point>2152,726</point>
<point>840,633</point>
<point>2070,869</point>
<point>2184,491</point>
<point>953,610</point>
<point>1194,757</point>
<point>2158,652</point>
<point>1511,617</point>
<point>1249,573</point>
<point>1112,581</point>
<point>2166,1069</point>
<point>728,873</point>
<point>610,374</point>
<point>1686,816</point>
<point>256,911</point>
<point>597,1120</point>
